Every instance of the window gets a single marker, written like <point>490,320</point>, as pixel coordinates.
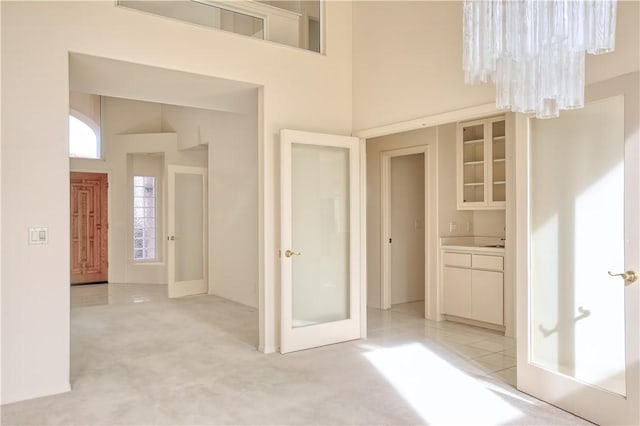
<point>83,140</point>
<point>144,218</point>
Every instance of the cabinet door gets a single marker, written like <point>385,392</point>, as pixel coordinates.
<point>487,296</point>
<point>456,283</point>
<point>496,162</point>
<point>471,164</point>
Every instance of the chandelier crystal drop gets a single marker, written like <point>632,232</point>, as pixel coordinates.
<point>534,50</point>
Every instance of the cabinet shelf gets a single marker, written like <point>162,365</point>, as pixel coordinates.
<point>481,164</point>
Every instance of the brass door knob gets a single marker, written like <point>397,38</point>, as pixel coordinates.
<point>290,253</point>
<point>628,276</point>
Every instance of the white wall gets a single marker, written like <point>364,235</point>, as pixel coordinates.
<point>407,228</point>
<point>407,59</point>
<point>37,39</point>
<point>233,208</point>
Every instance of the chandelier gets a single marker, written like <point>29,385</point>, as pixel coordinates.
<point>534,50</point>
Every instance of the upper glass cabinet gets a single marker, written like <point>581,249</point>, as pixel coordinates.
<point>294,23</point>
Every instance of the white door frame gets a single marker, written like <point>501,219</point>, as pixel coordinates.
<point>385,264</point>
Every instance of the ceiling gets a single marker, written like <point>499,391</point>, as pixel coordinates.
<point>109,77</point>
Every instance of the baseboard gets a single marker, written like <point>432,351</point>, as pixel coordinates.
<point>41,393</point>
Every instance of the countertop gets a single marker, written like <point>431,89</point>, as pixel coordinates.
<point>473,243</point>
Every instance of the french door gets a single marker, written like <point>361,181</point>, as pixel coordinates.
<point>320,240</point>
<point>186,223</point>
<point>578,296</point>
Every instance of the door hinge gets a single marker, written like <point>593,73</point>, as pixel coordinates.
<point>390,240</point>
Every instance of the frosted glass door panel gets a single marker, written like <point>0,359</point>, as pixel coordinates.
<point>320,233</point>
<point>189,232</point>
<point>577,310</point>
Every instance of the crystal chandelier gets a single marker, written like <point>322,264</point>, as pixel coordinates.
<point>534,50</point>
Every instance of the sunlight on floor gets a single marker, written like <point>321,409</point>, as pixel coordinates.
<point>438,391</point>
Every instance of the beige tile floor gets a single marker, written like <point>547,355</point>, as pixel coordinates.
<point>146,359</point>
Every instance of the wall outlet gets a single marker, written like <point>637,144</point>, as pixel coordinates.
<point>453,226</point>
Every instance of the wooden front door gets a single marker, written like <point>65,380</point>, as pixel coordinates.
<point>89,260</point>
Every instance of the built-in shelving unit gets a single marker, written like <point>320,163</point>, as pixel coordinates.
<point>481,164</point>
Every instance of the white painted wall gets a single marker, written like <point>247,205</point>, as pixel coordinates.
<point>447,183</point>
<point>407,59</point>
<point>407,228</point>
<point>233,208</point>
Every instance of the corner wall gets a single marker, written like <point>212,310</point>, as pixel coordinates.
<point>299,89</point>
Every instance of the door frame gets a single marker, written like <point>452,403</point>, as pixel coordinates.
<point>627,86</point>
<point>385,208</point>
<point>109,204</point>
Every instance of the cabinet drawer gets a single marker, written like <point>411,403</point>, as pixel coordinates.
<point>456,259</point>
<point>483,261</point>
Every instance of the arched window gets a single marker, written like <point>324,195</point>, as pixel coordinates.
<point>83,140</point>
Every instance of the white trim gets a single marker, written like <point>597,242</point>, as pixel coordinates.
<point>385,198</point>
<point>463,114</point>
<point>363,238</point>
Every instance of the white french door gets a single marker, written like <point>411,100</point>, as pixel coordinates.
<point>321,248</point>
<point>578,227</point>
<point>186,223</point>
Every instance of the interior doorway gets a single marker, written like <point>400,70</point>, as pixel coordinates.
<point>89,228</point>
<point>407,229</point>
<point>404,236</point>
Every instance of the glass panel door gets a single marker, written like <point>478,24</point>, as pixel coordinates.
<point>320,255</point>
<point>320,221</point>
<point>578,339</point>
<point>189,221</point>
<point>186,223</point>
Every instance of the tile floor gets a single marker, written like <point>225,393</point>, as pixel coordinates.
<point>147,359</point>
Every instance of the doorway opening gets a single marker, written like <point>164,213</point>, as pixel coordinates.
<point>146,128</point>
<point>404,234</point>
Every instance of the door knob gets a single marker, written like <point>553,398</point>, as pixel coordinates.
<point>290,253</point>
<point>171,238</point>
<point>628,276</point>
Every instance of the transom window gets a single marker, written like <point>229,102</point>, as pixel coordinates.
<point>83,140</point>
<point>144,218</point>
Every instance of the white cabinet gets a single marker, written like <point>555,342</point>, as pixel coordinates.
<point>481,164</point>
<point>487,296</point>
<point>473,290</point>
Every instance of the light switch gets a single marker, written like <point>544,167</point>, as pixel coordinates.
<point>38,236</point>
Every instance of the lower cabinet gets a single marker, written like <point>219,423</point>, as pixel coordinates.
<point>487,294</point>
<point>475,294</point>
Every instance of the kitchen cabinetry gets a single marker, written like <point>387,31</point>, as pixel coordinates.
<point>481,164</point>
<point>473,286</point>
